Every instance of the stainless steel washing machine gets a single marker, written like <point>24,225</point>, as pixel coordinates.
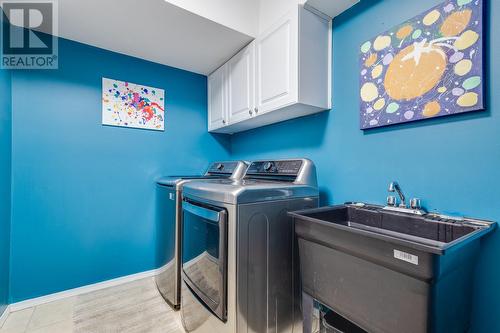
<point>169,194</point>
<point>239,257</point>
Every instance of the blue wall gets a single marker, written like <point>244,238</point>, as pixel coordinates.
<point>5,172</point>
<point>83,194</point>
<point>451,163</point>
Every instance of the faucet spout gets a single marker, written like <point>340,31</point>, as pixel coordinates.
<point>394,187</point>
<point>392,205</point>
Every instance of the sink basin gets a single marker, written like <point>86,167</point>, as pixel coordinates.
<point>389,271</point>
<point>432,232</point>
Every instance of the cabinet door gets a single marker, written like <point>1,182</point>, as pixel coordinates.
<point>277,64</point>
<point>240,81</point>
<point>217,99</point>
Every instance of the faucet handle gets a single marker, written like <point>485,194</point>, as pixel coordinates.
<point>392,201</point>
<point>415,203</point>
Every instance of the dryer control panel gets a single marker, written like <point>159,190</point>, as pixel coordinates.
<point>289,168</point>
<point>222,168</point>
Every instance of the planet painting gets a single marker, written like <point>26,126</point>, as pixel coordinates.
<point>429,66</point>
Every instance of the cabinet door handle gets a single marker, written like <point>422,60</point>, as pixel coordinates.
<point>223,121</point>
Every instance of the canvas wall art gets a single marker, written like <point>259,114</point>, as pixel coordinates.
<point>429,66</point>
<point>127,104</point>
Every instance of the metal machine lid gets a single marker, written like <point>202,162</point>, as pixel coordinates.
<point>245,191</point>
<point>228,170</point>
<point>176,180</point>
<point>264,181</point>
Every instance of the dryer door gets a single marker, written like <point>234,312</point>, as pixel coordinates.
<point>204,254</point>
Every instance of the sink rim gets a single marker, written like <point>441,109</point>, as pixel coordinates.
<point>418,243</point>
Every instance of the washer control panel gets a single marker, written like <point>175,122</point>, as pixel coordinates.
<point>275,168</point>
<point>222,168</point>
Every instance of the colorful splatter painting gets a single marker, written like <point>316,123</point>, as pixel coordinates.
<point>429,66</point>
<point>131,105</point>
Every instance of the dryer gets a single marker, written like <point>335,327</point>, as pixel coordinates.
<point>169,194</point>
<point>239,264</point>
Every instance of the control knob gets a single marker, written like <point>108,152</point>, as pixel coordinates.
<point>268,166</point>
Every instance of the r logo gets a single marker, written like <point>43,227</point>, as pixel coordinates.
<point>29,30</point>
<point>20,36</point>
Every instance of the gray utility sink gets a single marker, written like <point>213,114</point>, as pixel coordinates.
<point>388,271</point>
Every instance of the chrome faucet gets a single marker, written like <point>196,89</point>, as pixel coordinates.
<point>392,202</point>
<point>394,187</point>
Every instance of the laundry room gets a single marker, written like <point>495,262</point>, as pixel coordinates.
<point>230,166</point>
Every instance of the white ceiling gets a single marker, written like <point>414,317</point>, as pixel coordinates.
<point>154,30</point>
<point>240,15</point>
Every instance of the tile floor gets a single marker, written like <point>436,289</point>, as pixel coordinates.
<point>136,307</point>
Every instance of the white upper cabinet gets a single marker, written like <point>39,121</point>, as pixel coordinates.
<point>276,65</point>
<point>284,73</point>
<point>217,99</point>
<point>240,81</point>
<point>269,12</point>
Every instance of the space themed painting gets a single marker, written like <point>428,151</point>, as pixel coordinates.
<point>429,66</point>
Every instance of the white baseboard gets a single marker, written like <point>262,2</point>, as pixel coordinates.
<point>4,315</point>
<point>79,291</point>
